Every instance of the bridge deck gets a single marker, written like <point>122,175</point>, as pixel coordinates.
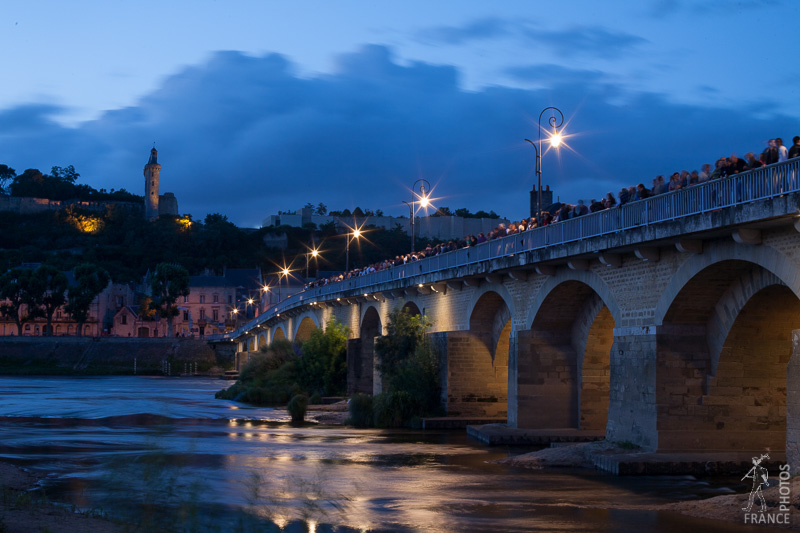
<point>728,202</point>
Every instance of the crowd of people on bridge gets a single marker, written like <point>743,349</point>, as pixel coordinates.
<point>775,152</point>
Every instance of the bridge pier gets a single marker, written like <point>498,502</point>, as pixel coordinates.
<point>793,405</point>
<point>474,383</point>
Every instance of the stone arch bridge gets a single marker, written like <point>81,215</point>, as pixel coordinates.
<point>668,322</point>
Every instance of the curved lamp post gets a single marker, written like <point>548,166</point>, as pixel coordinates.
<point>417,197</point>
<point>555,141</point>
<point>355,234</point>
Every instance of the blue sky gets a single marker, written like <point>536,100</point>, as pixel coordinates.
<point>257,106</point>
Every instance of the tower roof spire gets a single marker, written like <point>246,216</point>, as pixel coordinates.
<point>153,156</point>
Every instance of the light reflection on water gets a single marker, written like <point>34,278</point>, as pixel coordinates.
<point>155,447</point>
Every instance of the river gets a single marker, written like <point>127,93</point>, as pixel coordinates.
<point>162,452</point>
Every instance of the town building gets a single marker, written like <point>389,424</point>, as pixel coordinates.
<point>215,304</point>
<point>434,227</point>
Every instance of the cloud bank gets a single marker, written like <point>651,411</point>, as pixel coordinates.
<point>246,136</point>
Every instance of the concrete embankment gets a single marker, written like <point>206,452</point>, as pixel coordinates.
<point>107,355</point>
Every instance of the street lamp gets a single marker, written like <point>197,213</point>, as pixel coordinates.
<point>555,141</point>
<point>421,198</point>
<point>355,234</point>
<point>313,253</point>
<point>282,274</point>
<point>265,289</point>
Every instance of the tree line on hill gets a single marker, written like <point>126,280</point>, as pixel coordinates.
<point>58,185</point>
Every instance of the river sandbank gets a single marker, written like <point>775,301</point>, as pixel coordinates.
<point>23,510</point>
<point>726,507</point>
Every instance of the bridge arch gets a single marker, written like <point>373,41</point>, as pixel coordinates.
<point>764,256</point>
<point>412,307</point>
<point>587,277</point>
<point>365,309</point>
<point>564,365</point>
<point>263,339</point>
<point>494,288</point>
<point>361,367</point>
<point>477,359</point>
<point>278,333</point>
<point>724,348</point>
<point>305,327</point>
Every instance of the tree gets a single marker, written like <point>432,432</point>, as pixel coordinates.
<point>169,282</point>
<point>18,291</point>
<point>323,366</point>
<point>67,175</point>
<point>51,287</point>
<point>29,183</point>
<point>404,332</point>
<point>90,281</point>
<point>6,174</point>
<point>321,209</point>
<point>409,363</point>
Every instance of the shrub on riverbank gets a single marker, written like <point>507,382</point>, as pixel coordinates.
<point>297,407</point>
<point>317,366</point>
<point>360,410</point>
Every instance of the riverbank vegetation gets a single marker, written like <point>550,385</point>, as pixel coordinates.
<point>316,367</point>
<point>407,361</point>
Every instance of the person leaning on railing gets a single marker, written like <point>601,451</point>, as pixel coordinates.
<point>794,151</point>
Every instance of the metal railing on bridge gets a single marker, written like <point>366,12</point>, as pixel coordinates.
<point>759,184</point>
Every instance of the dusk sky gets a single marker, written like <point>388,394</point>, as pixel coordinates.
<point>260,106</point>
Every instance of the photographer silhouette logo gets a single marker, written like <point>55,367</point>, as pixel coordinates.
<point>760,476</point>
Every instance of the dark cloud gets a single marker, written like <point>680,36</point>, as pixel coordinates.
<point>589,41</point>
<point>480,29</point>
<point>554,74</point>
<point>245,136</point>
<point>660,8</point>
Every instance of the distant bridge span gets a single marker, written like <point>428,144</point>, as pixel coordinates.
<point>670,322</point>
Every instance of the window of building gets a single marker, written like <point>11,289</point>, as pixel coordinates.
<point>216,298</point>
<point>215,315</point>
<point>202,314</point>
<point>120,301</point>
<point>202,298</point>
<point>58,313</point>
<point>124,319</point>
<point>186,316</point>
<point>230,299</point>
<point>186,299</point>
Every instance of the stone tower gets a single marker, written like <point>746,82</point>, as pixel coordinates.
<point>547,199</point>
<point>151,170</point>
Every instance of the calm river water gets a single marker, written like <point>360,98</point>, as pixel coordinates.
<point>164,452</point>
